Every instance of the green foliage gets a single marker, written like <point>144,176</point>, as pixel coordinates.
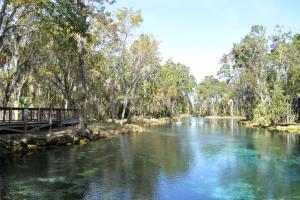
<point>74,54</point>
<point>261,115</point>
<point>25,102</point>
<point>214,97</point>
<point>262,79</point>
<point>280,106</point>
<point>63,53</point>
<point>170,90</point>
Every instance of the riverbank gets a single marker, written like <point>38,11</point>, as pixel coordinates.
<point>291,128</point>
<point>225,117</point>
<point>24,143</point>
<point>154,121</point>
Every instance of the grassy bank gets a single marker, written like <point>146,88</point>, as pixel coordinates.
<point>225,117</point>
<point>292,128</point>
<point>142,121</point>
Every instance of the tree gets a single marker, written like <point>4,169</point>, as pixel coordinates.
<point>214,97</point>
<point>143,58</point>
<point>71,18</point>
<point>20,41</point>
<point>264,73</point>
<point>175,86</point>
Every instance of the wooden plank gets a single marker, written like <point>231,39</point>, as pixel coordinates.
<point>13,130</point>
<point>39,127</point>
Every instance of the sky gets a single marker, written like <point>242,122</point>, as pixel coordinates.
<point>198,32</point>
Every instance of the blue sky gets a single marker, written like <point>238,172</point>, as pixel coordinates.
<point>198,32</point>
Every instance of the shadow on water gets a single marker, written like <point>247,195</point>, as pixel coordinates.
<point>195,159</point>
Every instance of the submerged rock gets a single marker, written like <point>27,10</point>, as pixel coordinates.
<point>20,147</point>
<point>75,140</point>
<point>41,141</point>
<point>5,147</point>
<point>32,147</point>
<point>131,128</point>
<point>84,141</point>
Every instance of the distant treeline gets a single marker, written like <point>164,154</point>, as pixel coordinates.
<point>259,79</point>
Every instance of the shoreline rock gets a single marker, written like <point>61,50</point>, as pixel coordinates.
<point>24,143</point>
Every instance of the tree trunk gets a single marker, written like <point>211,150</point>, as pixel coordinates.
<point>230,102</point>
<point>81,71</point>
<point>129,113</point>
<point>124,109</point>
<point>212,107</point>
<point>172,108</point>
<point>66,103</point>
<point>113,110</point>
<point>17,102</point>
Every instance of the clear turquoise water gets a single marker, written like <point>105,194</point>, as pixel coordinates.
<point>195,159</point>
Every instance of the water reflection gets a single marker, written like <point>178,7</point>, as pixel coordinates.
<point>194,159</point>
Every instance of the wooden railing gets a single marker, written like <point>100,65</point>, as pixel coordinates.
<point>35,117</point>
<point>20,115</point>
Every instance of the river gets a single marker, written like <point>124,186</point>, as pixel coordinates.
<point>194,159</point>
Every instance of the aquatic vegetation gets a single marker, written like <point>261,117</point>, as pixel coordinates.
<point>236,191</point>
<point>52,180</point>
<point>88,172</point>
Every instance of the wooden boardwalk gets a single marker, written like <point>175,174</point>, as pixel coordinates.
<point>23,120</point>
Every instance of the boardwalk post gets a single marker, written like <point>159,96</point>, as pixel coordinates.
<point>10,115</point>
<point>4,113</point>
<point>60,118</point>
<point>31,116</point>
<point>39,115</point>
<point>64,114</point>
<point>50,118</point>
<point>50,115</point>
<point>25,116</point>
